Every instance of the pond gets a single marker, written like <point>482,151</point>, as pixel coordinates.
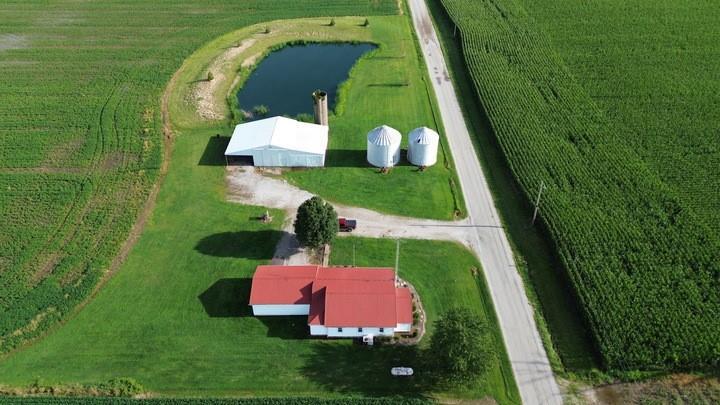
<point>286,78</point>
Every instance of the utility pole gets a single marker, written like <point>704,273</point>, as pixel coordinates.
<point>537,201</point>
<point>397,258</point>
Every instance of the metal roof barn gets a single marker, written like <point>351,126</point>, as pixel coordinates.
<point>383,146</point>
<point>423,146</point>
<point>279,142</point>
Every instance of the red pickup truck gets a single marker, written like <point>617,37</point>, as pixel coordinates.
<point>346,225</point>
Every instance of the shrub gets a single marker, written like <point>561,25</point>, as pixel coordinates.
<point>261,110</point>
<point>210,76</point>
<point>303,117</point>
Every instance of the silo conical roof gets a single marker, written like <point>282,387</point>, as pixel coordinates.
<point>384,135</point>
<point>423,136</point>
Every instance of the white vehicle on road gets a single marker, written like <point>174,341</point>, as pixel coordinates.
<point>401,371</point>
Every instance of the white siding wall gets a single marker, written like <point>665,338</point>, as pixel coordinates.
<point>286,158</point>
<point>274,310</point>
<point>403,327</point>
<point>318,330</point>
<point>353,332</point>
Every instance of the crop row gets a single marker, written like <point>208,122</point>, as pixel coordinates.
<point>209,401</point>
<point>644,266</point>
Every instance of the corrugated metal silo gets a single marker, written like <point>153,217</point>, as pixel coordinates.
<point>383,146</point>
<point>423,146</point>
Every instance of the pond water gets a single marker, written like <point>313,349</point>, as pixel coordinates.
<point>286,78</point>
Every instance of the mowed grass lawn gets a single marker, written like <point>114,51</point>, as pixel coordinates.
<point>175,316</point>
<point>389,86</point>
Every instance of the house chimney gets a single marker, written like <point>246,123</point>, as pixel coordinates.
<point>320,107</point>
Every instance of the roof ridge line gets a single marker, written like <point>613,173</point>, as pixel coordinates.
<point>272,133</point>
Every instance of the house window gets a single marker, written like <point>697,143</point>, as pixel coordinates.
<point>339,329</point>
<point>382,330</point>
<point>359,329</point>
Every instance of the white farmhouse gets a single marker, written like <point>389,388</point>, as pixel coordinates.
<point>339,302</point>
<point>278,142</point>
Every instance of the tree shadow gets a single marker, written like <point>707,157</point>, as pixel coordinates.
<point>286,247</point>
<point>214,153</point>
<point>257,245</point>
<point>227,298</point>
<point>365,370</point>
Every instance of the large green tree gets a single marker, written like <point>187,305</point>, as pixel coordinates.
<point>316,223</point>
<point>460,347</point>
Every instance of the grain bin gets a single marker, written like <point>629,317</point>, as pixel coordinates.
<point>423,146</point>
<point>383,146</point>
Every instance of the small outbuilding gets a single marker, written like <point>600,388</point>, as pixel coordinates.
<point>423,146</point>
<point>278,142</point>
<point>383,146</point>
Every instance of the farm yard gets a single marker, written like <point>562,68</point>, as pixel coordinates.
<point>127,247</point>
<point>174,316</point>
<point>82,136</point>
<point>642,260</point>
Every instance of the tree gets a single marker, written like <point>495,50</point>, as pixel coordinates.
<point>261,110</point>
<point>366,23</point>
<point>210,76</point>
<point>332,22</point>
<point>316,223</point>
<point>460,347</point>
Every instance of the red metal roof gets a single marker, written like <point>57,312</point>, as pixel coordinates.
<point>403,305</point>
<point>338,296</point>
<point>282,285</point>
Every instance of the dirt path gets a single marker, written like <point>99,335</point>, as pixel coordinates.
<point>247,185</point>
<point>205,92</point>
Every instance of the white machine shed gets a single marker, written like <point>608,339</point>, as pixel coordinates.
<point>279,142</point>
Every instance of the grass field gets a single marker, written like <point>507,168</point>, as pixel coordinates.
<point>80,133</point>
<point>174,316</point>
<point>643,262</point>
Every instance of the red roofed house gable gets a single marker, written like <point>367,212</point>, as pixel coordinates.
<point>282,290</point>
<point>339,301</point>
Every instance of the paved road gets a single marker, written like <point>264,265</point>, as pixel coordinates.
<point>527,355</point>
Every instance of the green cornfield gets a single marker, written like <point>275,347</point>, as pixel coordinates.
<point>641,251</point>
<point>81,137</point>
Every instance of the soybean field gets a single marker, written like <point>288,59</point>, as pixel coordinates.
<point>626,159</point>
<point>81,137</point>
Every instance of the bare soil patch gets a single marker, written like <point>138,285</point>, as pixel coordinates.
<point>205,92</point>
